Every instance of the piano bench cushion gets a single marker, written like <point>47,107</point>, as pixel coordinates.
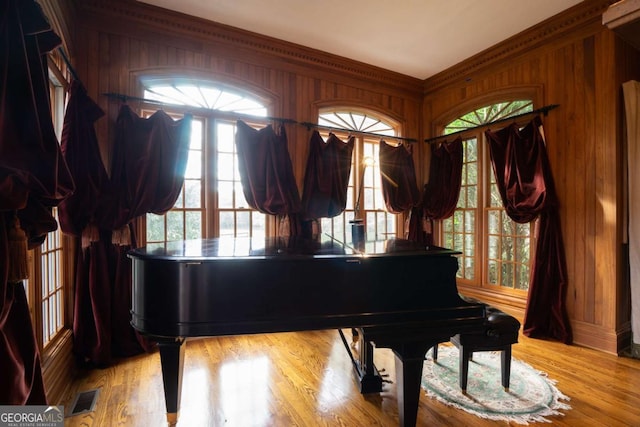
<point>500,329</point>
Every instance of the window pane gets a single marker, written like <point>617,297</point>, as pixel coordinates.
<point>469,221</point>
<point>194,225</point>
<point>175,225</point>
<point>51,291</point>
<point>240,202</point>
<point>227,223</point>
<point>493,272</point>
<point>522,277</point>
<point>258,224</point>
<point>507,275</point>
<point>469,268</point>
<point>193,196</point>
<point>155,228</point>
<point>367,199</point>
<point>458,221</point>
<point>472,196</point>
<point>471,151</point>
<point>462,198</point>
<point>226,166</point>
<point>243,224</point>
<point>226,137</point>
<point>494,222</point>
<point>196,135</point>
<point>225,194</point>
<point>494,247</point>
<point>194,165</point>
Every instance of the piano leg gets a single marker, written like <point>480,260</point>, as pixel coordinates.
<point>172,360</point>
<point>409,362</point>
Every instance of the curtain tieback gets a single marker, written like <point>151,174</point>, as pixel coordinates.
<point>18,267</point>
<point>90,234</point>
<point>121,236</point>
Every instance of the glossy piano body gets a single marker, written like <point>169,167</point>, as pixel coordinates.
<point>400,295</point>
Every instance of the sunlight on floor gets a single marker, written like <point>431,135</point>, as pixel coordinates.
<point>337,379</point>
<point>244,391</point>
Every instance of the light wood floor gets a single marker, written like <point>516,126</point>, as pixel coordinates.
<point>306,379</point>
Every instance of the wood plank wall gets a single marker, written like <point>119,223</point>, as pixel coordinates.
<point>571,60</point>
<point>581,68</point>
<point>120,41</point>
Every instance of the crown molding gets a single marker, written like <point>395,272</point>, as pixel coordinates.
<point>584,13</point>
<point>158,20</point>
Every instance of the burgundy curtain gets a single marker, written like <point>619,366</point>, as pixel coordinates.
<point>266,173</point>
<point>523,175</point>
<point>149,162</point>
<point>80,149</point>
<point>441,192</point>
<point>326,178</point>
<point>398,177</point>
<point>33,179</point>
<point>80,216</point>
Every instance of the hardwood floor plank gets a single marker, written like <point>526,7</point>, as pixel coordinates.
<point>306,379</point>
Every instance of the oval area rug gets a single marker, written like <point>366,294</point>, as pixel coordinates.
<point>532,396</point>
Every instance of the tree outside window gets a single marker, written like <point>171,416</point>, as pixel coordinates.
<point>495,251</point>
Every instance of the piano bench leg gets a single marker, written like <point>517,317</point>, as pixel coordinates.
<point>505,367</point>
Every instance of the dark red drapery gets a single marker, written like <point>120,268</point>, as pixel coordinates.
<point>523,175</point>
<point>326,178</point>
<point>398,177</point>
<point>149,162</point>
<point>440,194</point>
<point>33,179</point>
<point>79,146</point>
<point>266,173</point>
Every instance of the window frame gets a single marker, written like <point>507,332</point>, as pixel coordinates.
<point>480,283</point>
<point>339,226</point>
<point>55,250</point>
<point>210,118</point>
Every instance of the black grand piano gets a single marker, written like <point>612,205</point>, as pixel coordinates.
<point>394,293</point>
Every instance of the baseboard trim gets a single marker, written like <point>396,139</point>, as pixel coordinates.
<point>58,367</point>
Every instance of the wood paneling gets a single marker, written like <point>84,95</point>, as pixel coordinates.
<point>120,43</point>
<point>571,60</point>
<point>581,70</point>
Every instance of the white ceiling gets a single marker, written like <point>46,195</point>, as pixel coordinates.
<point>418,38</point>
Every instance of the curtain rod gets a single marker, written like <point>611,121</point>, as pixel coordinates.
<point>544,110</point>
<point>308,125</point>
<point>69,66</point>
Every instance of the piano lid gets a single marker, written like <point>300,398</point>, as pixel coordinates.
<point>276,247</point>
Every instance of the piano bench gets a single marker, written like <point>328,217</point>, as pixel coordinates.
<point>500,332</point>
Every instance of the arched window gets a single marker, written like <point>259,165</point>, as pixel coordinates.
<point>211,203</point>
<point>378,222</point>
<point>204,95</point>
<point>496,252</point>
